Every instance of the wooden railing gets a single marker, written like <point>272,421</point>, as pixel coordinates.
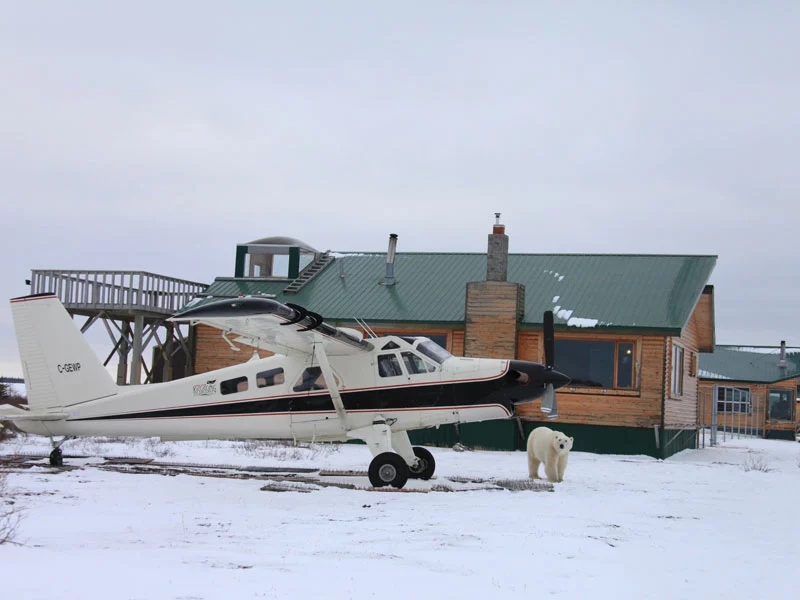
<point>115,290</point>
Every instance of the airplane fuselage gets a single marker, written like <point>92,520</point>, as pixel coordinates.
<point>286,397</point>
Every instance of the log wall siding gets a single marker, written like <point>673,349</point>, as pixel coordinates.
<point>680,411</point>
<point>758,401</point>
<point>457,343</point>
<point>212,352</point>
<point>493,311</point>
<point>640,407</point>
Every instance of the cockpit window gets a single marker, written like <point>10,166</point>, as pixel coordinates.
<point>312,379</point>
<point>391,346</point>
<point>415,364</point>
<point>433,351</point>
<point>389,366</point>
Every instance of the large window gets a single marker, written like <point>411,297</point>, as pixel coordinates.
<point>233,386</point>
<point>591,363</point>
<point>414,364</point>
<point>312,379</point>
<point>780,405</point>
<point>389,366</point>
<point>733,400</point>
<point>677,370</point>
<point>270,378</point>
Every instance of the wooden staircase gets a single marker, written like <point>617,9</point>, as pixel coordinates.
<point>307,274</point>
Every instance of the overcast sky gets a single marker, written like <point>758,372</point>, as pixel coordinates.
<point>158,135</point>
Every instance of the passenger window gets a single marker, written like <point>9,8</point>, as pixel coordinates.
<point>312,379</point>
<point>389,366</point>
<point>233,386</point>
<point>415,364</point>
<point>270,378</point>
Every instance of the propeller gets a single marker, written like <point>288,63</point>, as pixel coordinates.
<point>549,402</point>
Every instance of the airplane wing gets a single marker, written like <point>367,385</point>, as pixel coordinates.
<point>271,325</point>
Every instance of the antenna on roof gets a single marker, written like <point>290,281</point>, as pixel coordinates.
<point>363,324</point>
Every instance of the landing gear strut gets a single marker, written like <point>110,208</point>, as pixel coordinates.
<point>394,458</point>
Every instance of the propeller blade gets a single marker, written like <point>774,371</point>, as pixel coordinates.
<point>549,402</point>
<point>549,340</point>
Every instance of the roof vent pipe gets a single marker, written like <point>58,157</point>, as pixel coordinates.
<point>498,228</point>
<point>782,363</point>
<point>389,279</point>
<point>497,252</point>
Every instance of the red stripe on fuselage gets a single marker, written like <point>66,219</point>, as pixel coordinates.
<point>318,393</point>
<point>321,412</point>
<point>32,299</point>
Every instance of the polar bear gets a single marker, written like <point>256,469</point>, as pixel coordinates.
<point>551,448</point>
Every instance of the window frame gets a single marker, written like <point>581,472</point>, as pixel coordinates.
<point>337,380</point>
<point>676,383</point>
<point>791,393</point>
<point>398,361</point>
<point>635,342</point>
<point>728,405</point>
<point>430,366</point>
<point>234,381</point>
<point>447,334</point>
<point>270,373</point>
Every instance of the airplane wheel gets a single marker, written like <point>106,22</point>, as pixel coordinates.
<point>56,458</point>
<point>388,468</point>
<point>426,465</point>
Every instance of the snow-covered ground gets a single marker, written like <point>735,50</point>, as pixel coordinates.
<point>699,525</point>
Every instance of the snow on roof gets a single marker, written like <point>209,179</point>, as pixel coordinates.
<point>710,375</point>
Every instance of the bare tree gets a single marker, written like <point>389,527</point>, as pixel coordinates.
<point>8,396</point>
<point>9,512</point>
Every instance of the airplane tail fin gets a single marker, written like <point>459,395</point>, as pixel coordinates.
<point>60,367</point>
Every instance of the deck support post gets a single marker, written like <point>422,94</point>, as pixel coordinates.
<point>136,359</point>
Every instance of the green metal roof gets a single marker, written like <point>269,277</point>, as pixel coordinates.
<point>616,291</point>
<point>752,364</point>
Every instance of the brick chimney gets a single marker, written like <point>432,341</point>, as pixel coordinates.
<point>494,307</point>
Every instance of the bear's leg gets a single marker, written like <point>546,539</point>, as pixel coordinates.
<point>551,469</point>
<point>562,466</point>
<point>533,466</point>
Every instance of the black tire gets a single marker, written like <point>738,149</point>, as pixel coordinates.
<point>56,458</point>
<point>388,468</point>
<point>427,465</point>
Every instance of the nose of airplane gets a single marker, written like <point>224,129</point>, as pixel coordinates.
<point>528,381</point>
<point>558,379</point>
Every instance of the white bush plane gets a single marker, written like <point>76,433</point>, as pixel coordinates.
<point>322,384</point>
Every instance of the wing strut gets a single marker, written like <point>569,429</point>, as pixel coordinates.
<point>330,380</point>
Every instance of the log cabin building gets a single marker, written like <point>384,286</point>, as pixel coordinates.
<point>752,390</point>
<point>629,328</point>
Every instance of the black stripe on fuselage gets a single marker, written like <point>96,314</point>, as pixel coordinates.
<point>442,395</point>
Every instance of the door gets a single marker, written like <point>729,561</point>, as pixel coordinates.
<point>781,405</point>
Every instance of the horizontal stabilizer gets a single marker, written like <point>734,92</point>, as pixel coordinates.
<point>9,412</point>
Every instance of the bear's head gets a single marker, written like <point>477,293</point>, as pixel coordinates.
<point>562,443</point>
